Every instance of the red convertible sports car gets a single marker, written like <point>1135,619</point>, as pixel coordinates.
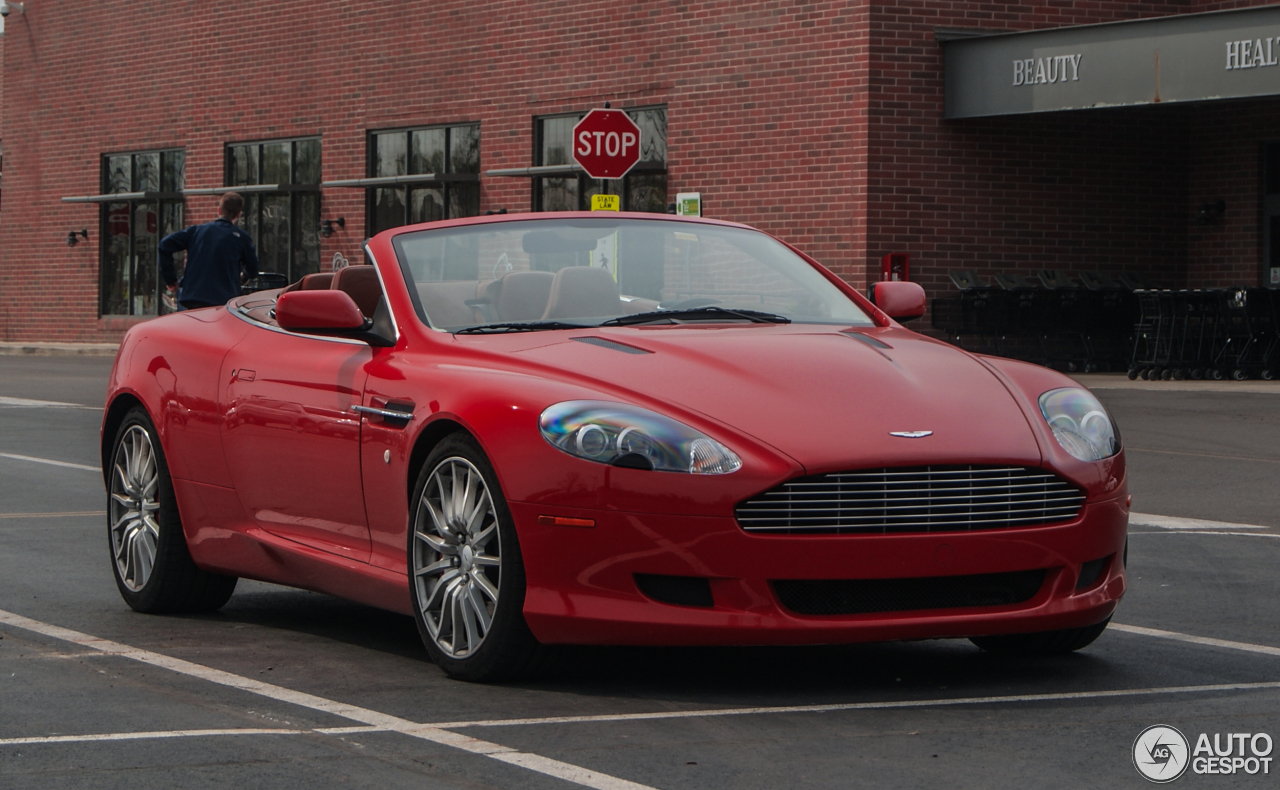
<point>610,428</point>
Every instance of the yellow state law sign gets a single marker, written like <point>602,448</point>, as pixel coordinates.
<point>606,203</point>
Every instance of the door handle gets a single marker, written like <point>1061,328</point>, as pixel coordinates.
<point>386,414</point>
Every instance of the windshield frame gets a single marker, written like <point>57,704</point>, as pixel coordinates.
<point>870,315</point>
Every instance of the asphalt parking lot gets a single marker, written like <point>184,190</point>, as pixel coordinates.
<point>287,689</point>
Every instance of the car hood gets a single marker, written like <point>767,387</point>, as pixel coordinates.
<point>829,399</point>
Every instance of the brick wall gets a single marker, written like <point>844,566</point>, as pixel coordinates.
<point>821,122</point>
<point>764,108</point>
<point>1109,190</point>
<point>1225,163</point>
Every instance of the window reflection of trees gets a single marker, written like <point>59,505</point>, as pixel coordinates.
<point>442,152</point>
<point>131,229</point>
<point>284,225</point>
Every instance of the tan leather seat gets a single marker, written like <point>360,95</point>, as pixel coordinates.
<point>361,284</point>
<point>583,292</point>
<point>446,305</point>
<point>521,296</point>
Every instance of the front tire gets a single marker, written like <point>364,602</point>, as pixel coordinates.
<point>1044,643</point>
<point>152,565</point>
<point>466,575</point>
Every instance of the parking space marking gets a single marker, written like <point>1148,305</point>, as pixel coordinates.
<point>27,403</point>
<point>1196,640</point>
<point>68,514</point>
<point>139,736</point>
<point>1205,455</point>
<point>427,732</point>
<point>1172,522</point>
<point>1211,532</point>
<point>851,706</point>
<point>51,462</point>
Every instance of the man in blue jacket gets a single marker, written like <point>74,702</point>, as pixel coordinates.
<point>219,257</point>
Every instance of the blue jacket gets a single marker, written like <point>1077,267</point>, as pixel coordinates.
<point>217,253</point>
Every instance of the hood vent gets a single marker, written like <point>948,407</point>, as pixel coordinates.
<point>611,344</point>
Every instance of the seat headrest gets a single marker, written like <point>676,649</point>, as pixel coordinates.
<point>583,292</point>
<point>361,284</point>
<point>522,296</point>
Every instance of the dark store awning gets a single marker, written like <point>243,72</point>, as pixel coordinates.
<point>1195,57</point>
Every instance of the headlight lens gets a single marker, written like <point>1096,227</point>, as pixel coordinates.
<point>622,435</point>
<point>1080,423</point>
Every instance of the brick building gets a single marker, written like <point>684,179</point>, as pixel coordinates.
<point>824,123</point>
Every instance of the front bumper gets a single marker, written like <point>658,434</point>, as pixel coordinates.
<point>582,588</point>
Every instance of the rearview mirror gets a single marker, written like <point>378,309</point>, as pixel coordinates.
<point>320,312</point>
<point>901,300</point>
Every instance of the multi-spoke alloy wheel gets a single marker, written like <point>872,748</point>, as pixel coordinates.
<point>135,532</point>
<point>153,567</point>
<point>457,557</point>
<point>466,574</point>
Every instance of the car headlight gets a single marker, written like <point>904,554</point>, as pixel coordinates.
<point>622,435</point>
<point>1080,423</point>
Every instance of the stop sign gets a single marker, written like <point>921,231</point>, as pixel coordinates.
<point>606,143</point>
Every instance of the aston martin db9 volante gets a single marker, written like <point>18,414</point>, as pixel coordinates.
<point>610,428</point>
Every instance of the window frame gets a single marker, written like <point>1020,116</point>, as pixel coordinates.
<point>298,226</point>
<point>161,198</point>
<point>588,186</point>
<point>441,180</point>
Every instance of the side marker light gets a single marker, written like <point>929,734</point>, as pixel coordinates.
<point>561,521</point>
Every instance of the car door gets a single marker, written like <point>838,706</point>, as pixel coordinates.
<point>292,439</point>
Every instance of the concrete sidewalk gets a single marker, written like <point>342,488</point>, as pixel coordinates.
<point>10,348</point>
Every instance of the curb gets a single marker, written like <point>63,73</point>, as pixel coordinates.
<point>16,349</point>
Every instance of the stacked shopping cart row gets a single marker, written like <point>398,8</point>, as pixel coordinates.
<point>1100,323</point>
<point>1085,323</point>
<point>1212,333</point>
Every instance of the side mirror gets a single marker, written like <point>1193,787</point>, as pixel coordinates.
<point>901,300</point>
<point>320,312</point>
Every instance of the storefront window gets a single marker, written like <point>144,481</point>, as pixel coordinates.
<point>449,159</point>
<point>150,208</point>
<point>284,223</point>
<point>643,189</point>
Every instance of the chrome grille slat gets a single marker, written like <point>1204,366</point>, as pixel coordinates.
<point>923,499</point>
<point>929,489</point>
<point>950,501</point>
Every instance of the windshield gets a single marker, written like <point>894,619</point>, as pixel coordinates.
<point>561,273</point>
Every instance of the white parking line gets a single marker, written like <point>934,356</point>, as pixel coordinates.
<point>68,514</point>
<point>1170,522</point>
<point>139,736</point>
<point>142,736</point>
<point>27,403</point>
<point>1211,532</point>
<point>50,462</point>
<point>1196,640</point>
<point>833,708</point>
<point>426,732</point>
<point>439,732</point>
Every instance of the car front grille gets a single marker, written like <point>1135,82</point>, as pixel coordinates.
<point>917,499</point>
<point>866,596</point>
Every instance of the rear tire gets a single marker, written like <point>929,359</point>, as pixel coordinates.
<point>1044,643</point>
<point>466,575</point>
<point>149,557</point>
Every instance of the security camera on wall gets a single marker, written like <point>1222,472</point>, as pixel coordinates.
<point>7,8</point>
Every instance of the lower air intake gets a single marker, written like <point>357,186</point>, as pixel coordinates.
<point>867,596</point>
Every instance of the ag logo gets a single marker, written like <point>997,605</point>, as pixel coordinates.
<point>1160,753</point>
